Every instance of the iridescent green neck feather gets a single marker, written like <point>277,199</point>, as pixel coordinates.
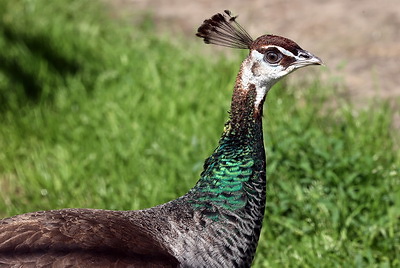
<point>234,175</point>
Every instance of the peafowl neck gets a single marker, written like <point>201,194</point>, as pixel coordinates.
<point>233,179</point>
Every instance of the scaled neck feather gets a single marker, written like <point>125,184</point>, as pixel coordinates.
<point>234,175</point>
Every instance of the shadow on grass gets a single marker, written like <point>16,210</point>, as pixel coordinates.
<point>25,49</point>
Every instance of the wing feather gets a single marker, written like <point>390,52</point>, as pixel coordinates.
<point>80,238</point>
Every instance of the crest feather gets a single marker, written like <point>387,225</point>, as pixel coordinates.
<point>223,30</point>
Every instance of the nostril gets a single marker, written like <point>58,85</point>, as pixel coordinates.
<point>305,56</point>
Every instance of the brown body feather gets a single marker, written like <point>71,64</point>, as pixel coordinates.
<point>79,238</point>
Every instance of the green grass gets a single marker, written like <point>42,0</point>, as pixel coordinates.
<point>99,113</point>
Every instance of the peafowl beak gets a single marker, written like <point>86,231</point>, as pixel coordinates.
<point>305,58</point>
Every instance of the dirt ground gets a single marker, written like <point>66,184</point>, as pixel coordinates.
<point>359,40</point>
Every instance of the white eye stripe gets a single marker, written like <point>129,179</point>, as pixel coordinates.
<point>281,49</point>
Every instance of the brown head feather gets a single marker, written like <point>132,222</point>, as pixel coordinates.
<point>269,39</point>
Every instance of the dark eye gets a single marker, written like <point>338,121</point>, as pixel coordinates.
<point>272,57</point>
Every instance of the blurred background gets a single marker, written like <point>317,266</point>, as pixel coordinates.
<point>115,104</point>
<point>358,40</point>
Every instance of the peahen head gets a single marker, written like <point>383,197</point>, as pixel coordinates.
<point>271,57</point>
<point>274,56</point>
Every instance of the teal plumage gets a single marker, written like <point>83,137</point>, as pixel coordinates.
<point>237,162</point>
<point>216,224</point>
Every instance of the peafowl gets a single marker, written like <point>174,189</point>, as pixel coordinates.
<point>216,224</point>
